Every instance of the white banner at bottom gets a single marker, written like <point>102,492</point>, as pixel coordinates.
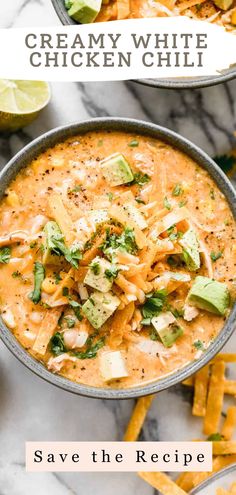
<point>117,50</point>
<point>118,456</point>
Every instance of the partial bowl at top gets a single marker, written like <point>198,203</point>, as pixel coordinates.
<point>148,134</point>
<point>172,83</point>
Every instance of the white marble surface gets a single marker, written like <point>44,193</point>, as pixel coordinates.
<point>31,409</point>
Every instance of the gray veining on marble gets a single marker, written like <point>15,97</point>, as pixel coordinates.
<point>31,409</point>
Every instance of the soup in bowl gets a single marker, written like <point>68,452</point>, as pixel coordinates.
<point>117,251</point>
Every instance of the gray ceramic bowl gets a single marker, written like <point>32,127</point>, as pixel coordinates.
<point>26,155</point>
<point>222,478</point>
<point>180,83</point>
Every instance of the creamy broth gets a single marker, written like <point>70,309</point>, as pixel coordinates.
<point>148,271</point>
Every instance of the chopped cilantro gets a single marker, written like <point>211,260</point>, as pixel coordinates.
<point>16,274</point>
<point>153,334</point>
<point>133,143</point>
<point>125,241</point>
<point>57,344</point>
<point>70,322</point>
<point>166,203</point>
<point>215,437</point>
<point>95,267</point>
<point>139,179</point>
<point>198,344</point>
<point>77,188</point>
<point>39,275</point>
<point>76,308</point>
<point>177,191</point>
<point>140,200</point>
<point>212,193</point>
<point>5,255</point>
<point>182,203</point>
<point>92,348</point>
<point>153,305</point>
<point>56,244</point>
<point>57,278</point>
<point>65,291</point>
<point>110,196</point>
<point>216,256</point>
<point>112,272</point>
<point>33,244</point>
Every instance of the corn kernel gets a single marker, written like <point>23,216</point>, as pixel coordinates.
<point>13,199</point>
<point>233,17</point>
<point>49,285</point>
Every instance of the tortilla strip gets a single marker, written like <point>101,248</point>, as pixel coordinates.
<point>137,419</point>
<point>123,9</point>
<point>92,252</point>
<point>185,481</point>
<point>230,387</point>
<point>229,423</point>
<point>162,483</point>
<point>227,358</point>
<point>188,3</point>
<point>224,447</point>
<point>61,216</point>
<point>67,281</point>
<point>200,392</point>
<point>130,288</point>
<point>221,491</point>
<point>233,488</point>
<point>189,382</point>
<point>170,219</point>
<point>118,324</point>
<point>80,274</point>
<point>215,399</point>
<point>120,215</point>
<point>147,257</point>
<point>46,330</point>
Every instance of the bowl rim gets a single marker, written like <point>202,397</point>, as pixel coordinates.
<point>215,476</point>
<point>59,134</point>
<point>181,83</point>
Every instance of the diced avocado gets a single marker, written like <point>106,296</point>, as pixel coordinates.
<point>98,216</point>
<point>210,295</point>
<point>99,307</point>
<point>112,366</point>
<point>223,4</point>
<point>96,275</point>
<point>51,230</point>
<point>134,214</point>
<point>116,170</point>
<point>167,329</point>
<point>190,245</point>
<point>85,11</point>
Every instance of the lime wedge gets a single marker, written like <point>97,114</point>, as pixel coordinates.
<point>21,102</point>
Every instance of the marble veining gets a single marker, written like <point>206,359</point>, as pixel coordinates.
<point>31,409</point>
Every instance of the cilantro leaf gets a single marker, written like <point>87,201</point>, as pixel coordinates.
<point>5,254</point>
<point>178,190</point>
<point>39,275</point>
<point>153,305</point>
<point>57,344</point>
<point>216,256</point>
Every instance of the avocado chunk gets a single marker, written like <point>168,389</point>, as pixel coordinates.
<point>96,275</point>
<point>84,11</point>
<point>223,4</point>
<point>116,170</point>
<point>190,245</point>
<point>166,328</point>
<point>210,295</point>
<point>112,366</point>
<point>135,215</point>
<point>99,307</point>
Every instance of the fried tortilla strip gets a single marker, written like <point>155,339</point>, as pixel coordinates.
<point>185,481</point>
<point>221,491</point>
<point>224,447</point>
<point>61,216</point>
<point>119,214</point>
<point>67,282</point>
<point>218,463</point>
<point>189,382</point>
<point>80,274</point>
<point>137,419</point>
<point>230,387</point>
<point>118,324</point>
<point>200,392</point>
<point>162,483</point>
<point>229,423</point>
<point>147,257</point>
<point>46,330</point>
<point>93,251</point>
<point>233,488</point>
<point>226,357</point>
<point>215,399</point>
<point>123,9</point>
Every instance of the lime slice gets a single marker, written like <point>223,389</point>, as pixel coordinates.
<point>21,102</point>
